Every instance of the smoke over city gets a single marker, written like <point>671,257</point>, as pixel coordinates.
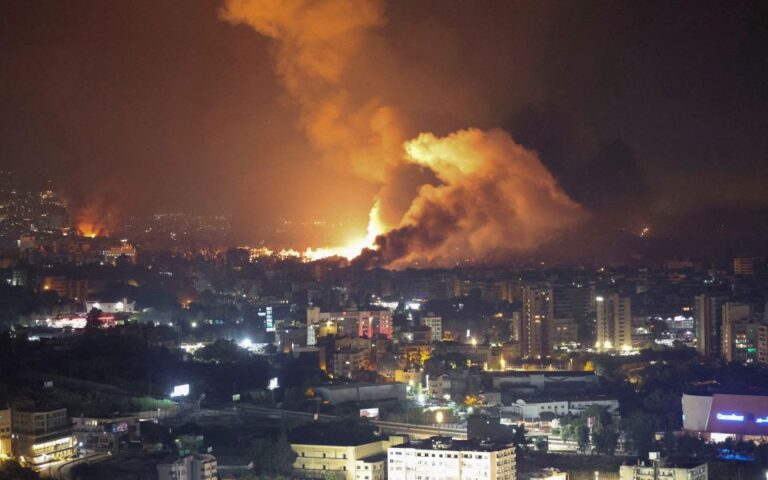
<point>485,195</point>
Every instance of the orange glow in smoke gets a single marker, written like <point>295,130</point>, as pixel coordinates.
<point>90,230</point>
<point>356,246</point>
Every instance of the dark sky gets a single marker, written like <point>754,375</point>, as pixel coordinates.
<point>646,112</point>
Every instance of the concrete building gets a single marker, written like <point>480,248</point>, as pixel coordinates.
<point>343,460</point>
<point>613,322</point>
<point>762,344</point>
<point>564,333</point>
<point>708,320</point>
<point>190,467</point>
<point>738,332</point>
<point>745,265</point>
<point>537,315</point>
<point>40,437</point>
<point>532,409</point>
<point>656,469</point>
<point>125,251</point>
<point>118,306</point>
<point>65,287</point>
<point>548,474</point>
<point>435,324</point>
<point>348,362</point>
<point>5,433</point>
<point>440,458</point>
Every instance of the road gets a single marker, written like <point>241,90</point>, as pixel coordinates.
<point>62,470</point>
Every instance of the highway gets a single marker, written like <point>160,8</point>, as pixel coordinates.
<point>61,470</point>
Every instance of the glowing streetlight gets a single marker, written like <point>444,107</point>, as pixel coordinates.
<point>439,420</point>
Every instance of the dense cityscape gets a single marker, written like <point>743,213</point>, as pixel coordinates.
<point>371,239</point>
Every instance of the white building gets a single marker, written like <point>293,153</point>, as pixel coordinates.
<point>123,251</point>
<point>532,409</point>
<point>548,474</point>
<point>435,325</point>
<point>614,323</point>
<point>191,467</point>
<point>120,306</point>
<point>657,468</point>
<point>442,458</point>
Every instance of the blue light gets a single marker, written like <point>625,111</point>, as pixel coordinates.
<point>761,420</point>
<point>730,417</point>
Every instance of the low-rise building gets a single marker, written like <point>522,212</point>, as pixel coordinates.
<point>41,436</point>
<point>717,416</point>
<point>438,458</point>
<point>532,409</point>
<point>548,474</point>
<point>658,468</point>
<point>190,467</point>
<point>345,460</point>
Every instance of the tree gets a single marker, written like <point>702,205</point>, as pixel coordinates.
<point>11,470</point>
<point>520,437</point>
<point>640,431</point>
<point>273,456</point>
<point>92,321</point>
<point>582,438</point>
<point>605,440</point>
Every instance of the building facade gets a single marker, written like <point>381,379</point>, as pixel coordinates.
<point>708,320</point>
<point>536,321</point>
<point>613,322</point>
<point>442,458</point>
<point>345,462</point>
<point>41,437</point>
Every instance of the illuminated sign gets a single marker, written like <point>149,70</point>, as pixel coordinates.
<point>180,390</point>
<point>273,384</point>
<point>730,417</point>
<point>372,413</point>
<point>761,420</point>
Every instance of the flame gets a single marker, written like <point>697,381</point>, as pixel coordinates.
<point>350,250</point>
<point>355,247</point>
<point>91,230</point>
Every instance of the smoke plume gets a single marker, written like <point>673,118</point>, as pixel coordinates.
<point>486,195</point>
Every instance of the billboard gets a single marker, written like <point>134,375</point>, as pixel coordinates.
<point>180,391</point>
<point>372,413</point>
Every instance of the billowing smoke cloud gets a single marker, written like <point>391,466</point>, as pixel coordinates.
<point>495,197</point>
<point>315,40</point>
<point>485,195</point>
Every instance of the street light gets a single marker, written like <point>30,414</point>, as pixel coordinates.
<point>439,420</point>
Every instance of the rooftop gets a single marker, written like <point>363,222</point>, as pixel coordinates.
<point>448,443</point>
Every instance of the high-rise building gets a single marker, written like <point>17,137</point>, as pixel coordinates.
<point>435,324</point>
<point>708,320</point>
<point>535,341</point>
<point>762,344</point>
<point>744,265</point>
<point>739,332</point>
<point>439,458</point>
<point>5,433</point>
<point>613,322</point>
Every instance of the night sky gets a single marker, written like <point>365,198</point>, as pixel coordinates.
<point>646,113</point>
